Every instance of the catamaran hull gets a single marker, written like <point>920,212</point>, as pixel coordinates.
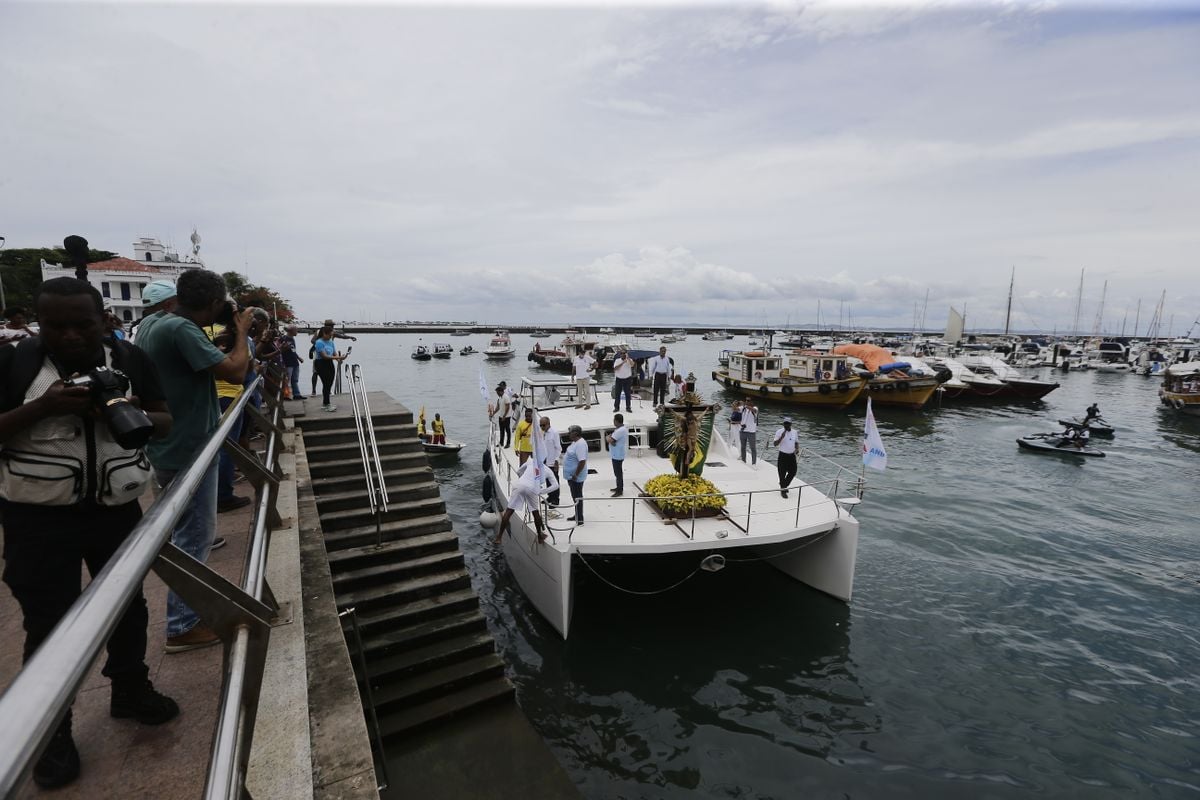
<point>824,560</point>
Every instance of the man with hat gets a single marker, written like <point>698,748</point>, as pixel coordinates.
<point>786,441</point>
<point>158,300</point>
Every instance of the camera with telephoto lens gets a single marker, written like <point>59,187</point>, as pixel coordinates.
<point>129,425</point>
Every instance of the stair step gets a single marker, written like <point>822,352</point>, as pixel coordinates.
<point>319,421</point>
<point>393,479</point>
<point>354,466</point>
<point>401,723</point>
<point>356,498</point>
<point>350,434</point>
<point>391,531</point>
<point>346,580</point>
<point>450,624</point>
<point>429,657</point>
<point>403,694</point>
<point>394,593</point>
<point>411,614</point>
<point>398,550</point>
<point>340,450</point>
<point>361,517</point>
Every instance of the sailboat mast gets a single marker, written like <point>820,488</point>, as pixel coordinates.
<point>1078,306</point>
<point>1098,328</point>
<point>1138,318</point>
<point>1008,312</point>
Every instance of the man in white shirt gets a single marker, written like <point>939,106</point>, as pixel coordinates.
<point>787,442</point>
<point>661,369</point>
<point>584,366</point>
<point>553,456</point>
<point>623,372</point>
<point>750,430</point>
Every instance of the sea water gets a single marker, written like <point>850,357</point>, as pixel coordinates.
<point>1023,625</point>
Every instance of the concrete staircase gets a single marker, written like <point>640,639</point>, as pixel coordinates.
<point>426,643</point>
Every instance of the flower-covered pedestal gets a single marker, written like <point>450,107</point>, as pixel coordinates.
<point>676,497</point>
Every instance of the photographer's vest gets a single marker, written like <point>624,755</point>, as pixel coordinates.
<point>65,460</point>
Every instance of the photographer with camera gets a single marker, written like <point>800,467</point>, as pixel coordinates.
<point>188,364</point>
<point>71,472</point>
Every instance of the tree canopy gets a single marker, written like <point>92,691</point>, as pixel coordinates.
<point>248,294</point>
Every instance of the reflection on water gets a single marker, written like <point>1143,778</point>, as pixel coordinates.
<point>1022,626</point>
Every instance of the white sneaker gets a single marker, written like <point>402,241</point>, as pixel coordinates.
<point>330,407</point>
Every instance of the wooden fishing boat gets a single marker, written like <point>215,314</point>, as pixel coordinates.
<point>797,378</point>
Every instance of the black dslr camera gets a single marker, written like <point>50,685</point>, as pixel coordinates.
<point>129,425</point>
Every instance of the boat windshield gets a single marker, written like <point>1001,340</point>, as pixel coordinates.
<point>545,394</point>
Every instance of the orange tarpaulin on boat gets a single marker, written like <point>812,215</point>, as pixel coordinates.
<point>871,355</point>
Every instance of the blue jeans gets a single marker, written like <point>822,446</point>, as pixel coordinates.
<point>577,496</point>
<point>225,461</point>
<point>193,535</point>
<point>294,376</point>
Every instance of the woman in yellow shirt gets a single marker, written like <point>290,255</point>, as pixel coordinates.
<point>523,437</point>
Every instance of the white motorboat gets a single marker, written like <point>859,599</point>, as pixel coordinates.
<point>500,347</point>
<point>539,334</point>
<point>461,332</point>
<point>810,535</point>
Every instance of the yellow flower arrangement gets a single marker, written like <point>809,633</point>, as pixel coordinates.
<point>665,489</point>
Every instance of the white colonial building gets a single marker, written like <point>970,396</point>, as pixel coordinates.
<point>121,280</point>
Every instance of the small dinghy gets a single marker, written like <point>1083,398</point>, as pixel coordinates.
<point>1050,443</point>
<point>1097,426</point>
<point>449,448</point>
<point>468,351</point>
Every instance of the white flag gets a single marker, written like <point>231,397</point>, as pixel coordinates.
<point>874,456</point>
<point>539,446</point>
<point>483,388</point>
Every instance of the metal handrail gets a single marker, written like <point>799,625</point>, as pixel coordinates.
<point>368,446</point>
<point>45,688</point>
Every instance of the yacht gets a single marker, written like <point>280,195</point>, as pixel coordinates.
<point>1017,386</point>
<point>540,334</point>
<point>500,347</point>
<point>717,336</point>
<point>461,332</point>
<point>680,334</point>
<point>810,535</point>
<point>802,378</point>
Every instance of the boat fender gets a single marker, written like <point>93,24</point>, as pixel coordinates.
<point>728,383</point>
<point>944,374</point>
<point>889,387</point>
<point>489,519</point>
<point>824,388</point>
<point>737,384</point>
<point>763,390</point>
<point>827,375</point>
<point>787,391</point>
<point>902,386</point>
<point>874,387</point>
<point>531,357</point>
<point>844,387</point>
<point>487,488</point>
<point>1178,403</point>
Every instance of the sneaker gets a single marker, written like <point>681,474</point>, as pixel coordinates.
<point>217,544</point>
<point>232,503</point>
<point>554,515</point>
<point>139,700</point>
<point>329,407</point>
<point>299,397</point>
<point>59,762</point>
<point>195,639</point>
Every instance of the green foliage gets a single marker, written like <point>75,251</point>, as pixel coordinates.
<point>249,294</point>
<point>21,270</point>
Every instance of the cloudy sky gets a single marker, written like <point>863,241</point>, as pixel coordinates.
<point>656,164</point>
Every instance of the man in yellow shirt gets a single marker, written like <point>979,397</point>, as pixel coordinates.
<point>523,437</point>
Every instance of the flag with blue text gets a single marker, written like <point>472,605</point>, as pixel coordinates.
<point>874,456</point>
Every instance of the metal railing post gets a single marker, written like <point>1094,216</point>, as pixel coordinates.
<point>749,505</point>
<point>366,676</point>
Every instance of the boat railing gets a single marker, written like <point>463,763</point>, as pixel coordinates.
<point>241,615</point>
<point>368,450</point>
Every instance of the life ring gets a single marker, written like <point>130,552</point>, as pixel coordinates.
<point>843,387</point>
<point>827,375</point>
<point>1178,403</point>
<point>787,391</point>
<point>763,390</point>
<point>824,388</point>
<point>889,387</point>
<point>758,375</point>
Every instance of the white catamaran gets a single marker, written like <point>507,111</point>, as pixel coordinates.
<point>810,535</point>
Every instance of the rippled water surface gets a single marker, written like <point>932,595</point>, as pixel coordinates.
<point>1022,625</point>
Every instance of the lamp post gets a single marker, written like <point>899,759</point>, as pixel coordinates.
<point>3,304</point>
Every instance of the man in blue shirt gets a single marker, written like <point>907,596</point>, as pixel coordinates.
<point>575,470</point>
<point>618,440</point>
